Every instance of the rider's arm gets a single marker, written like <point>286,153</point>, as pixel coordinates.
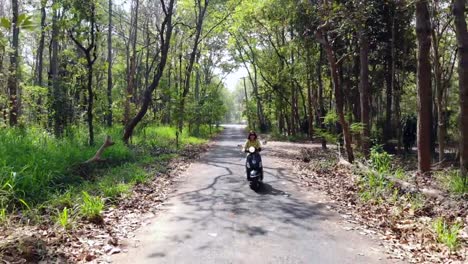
<point>259,146</point>
<point>245,149</point>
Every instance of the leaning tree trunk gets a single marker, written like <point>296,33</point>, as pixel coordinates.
<point>339,98</point>
<point>364,92</point>
<point>165,39</point>
<point>13,77</point>
<point>459,10</point>
<point>423,32</point>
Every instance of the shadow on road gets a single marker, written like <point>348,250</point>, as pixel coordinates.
<point>267,189</point>
<point>224,202</point>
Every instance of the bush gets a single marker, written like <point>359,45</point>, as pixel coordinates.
<point>91,207</point>
<point>447,234</point>
<point>453,181</point>
<point>380,160</point>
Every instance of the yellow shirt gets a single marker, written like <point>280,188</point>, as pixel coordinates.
<point>252,143</point>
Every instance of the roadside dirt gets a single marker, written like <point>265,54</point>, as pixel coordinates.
<point>405,228</point>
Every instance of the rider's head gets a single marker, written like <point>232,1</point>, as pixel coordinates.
<point>252,135</point>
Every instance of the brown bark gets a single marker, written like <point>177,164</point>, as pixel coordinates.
<point>98,156</point>
<point>321,107</point>
<point>423,32</point>
<point>188,71</point>
<point>132,63</point>
<point>90,53</point>
<point>364,92</point>
<point>164,39</point>
<point>40,48</point>
<point>459,11</point>
<point>339,98</point>
<point>56,96</point>
<point>109,68</point>
<point>13,74</point>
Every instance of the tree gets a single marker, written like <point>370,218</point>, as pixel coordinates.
<point>132,63</point>
<point>87,13</point>
<point>459,12</point>
<point>200,7</point>
<point>423,32</point>
<point>109,68</point>
<point>334,62</point>
<point>40,48</point>
<point>364,91</point>
<point>165,34</point>
<point>13,74</point>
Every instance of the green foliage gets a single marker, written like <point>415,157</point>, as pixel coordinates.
<point>33,163</point>
<point>3,216</point>
<point>331,118</point>
<point>329,137</point>
<point>63,218</point>
<point>453,181</point>
<point>114,191</point>
<point>91,206</point>
<point>357,128</point>
<point>446,233</point>
<point>373,186</point>
<point>380,160</point>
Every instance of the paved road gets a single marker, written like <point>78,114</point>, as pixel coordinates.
<point>214,217</point>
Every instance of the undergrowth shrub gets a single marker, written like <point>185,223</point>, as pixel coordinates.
<point>446,233</point>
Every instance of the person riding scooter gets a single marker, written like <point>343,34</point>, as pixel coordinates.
<point>254,160</point>
<point>252,141</point>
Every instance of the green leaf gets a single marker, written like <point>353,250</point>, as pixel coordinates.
<point>5,23</point>
<point>25,21</point>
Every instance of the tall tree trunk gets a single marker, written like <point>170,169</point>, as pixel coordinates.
<point>109,68</point>
<point>40,48</point>
<point>321,106</point>
<point>423,32</point>
<point>132,63</point>
<point>459,11</point>
<point>188,73</point>
<point>390,83</point>
<point>439,89</point>
<point>339,98</point>
<point>13,74</point>
<point>90,53</point>
<point>310,107</point>
<point>165,39</point>
<point>55,91</point>
<point>364,92</point>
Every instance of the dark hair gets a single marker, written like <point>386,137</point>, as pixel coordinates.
<point>252,133</point>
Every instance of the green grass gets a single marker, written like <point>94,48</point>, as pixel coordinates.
<point>452,181</point>
<point>447,234</point>
<point>39,171</point>
<point>91,206</point>
<point>63,218</point>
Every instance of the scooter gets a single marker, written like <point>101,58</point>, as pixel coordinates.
<point>254,168</point>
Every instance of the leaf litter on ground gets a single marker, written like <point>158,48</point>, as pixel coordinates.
<point>405,228</point>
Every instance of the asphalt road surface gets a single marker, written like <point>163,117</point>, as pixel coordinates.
<point>214,217</point>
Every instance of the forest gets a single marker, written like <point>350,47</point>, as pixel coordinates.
<point>375,80</point>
